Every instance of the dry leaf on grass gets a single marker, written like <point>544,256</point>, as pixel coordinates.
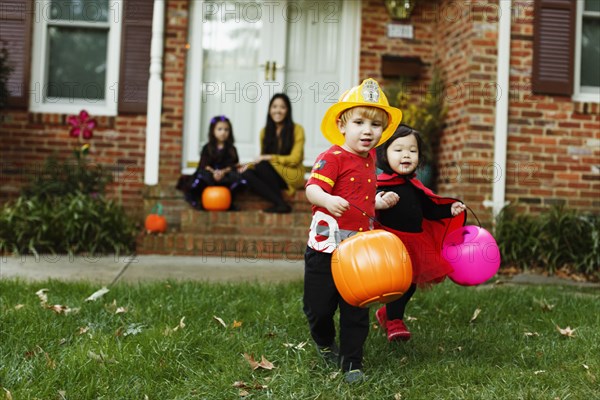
<point>264,363</point>
<point>7,394</point>
<point>97,294</point>
<point>244,385</point>
<point>568,332</point>
<point>299,346</point>
<point>168,331</point>
<point>60,309</point>
<point>475,315</point>
<point>541,371</point>
<point>83,330</point>
<point>236,324</point>
<point>220,320</point>
<point>19,306</point>
<point>408,318</point>
<point>41,294</point>
<point>530,334</point>
<point>121,310</point>
<point>102,358</point>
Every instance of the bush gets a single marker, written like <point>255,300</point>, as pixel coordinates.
<point>552,240</point>
<point>75,223</point>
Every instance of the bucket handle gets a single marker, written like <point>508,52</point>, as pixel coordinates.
<point>448,225</point>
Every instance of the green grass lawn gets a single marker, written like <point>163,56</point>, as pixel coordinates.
<point>511,350</point>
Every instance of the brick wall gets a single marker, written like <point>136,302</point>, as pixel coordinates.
<point>553,142</point>
<point>117,144</point>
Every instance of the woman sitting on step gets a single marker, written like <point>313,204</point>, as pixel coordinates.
<point>279,166</point>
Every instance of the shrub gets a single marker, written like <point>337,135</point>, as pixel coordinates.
<point>74,223</point>
<point>63,209</point>
<point>554,239</point>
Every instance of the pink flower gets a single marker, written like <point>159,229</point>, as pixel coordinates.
<point>81,123</point>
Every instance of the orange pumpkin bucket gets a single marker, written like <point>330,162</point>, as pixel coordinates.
<point>155,221</point>
<point>371,267</point>
<point>216,198</point>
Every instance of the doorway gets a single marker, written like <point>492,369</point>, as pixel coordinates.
<point>242,52</point>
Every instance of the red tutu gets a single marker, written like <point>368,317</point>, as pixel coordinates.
<point>425,254</point>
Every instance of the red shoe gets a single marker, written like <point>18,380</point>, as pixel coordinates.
<point>381,316</point>
<point>396,330</point>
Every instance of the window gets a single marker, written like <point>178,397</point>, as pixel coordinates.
<point>75,60</point>
<point>587,51</point>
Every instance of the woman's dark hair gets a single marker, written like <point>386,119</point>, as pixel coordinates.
<point>271,144</point>
<point>402,131</point>
<point>212,139</point>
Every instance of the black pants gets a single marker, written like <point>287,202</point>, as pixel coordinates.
<point>321,300</point>
<point>266,182</point>
<point>395,309</point>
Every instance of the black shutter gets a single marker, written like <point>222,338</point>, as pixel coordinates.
<point>15,36</point>
<point>553,47</point>
<point>135,56</point>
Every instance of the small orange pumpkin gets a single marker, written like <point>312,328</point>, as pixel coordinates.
<point>155,221</point>
<point>216,198</point>
<point>371,266</point>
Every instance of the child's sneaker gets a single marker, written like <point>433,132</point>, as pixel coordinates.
<point>331,353</point>
<point>381,316</point>
<point>355,376</point>
<point>396,330</point>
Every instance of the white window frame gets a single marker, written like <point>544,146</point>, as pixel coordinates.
<point>587,94</point>
<point>39,65</point>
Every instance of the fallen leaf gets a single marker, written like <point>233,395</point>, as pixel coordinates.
<point>244,385</point>
<point>219,320</point>
<point>264,363</point>
<point>530,334</point>
<point>97,294</point>
<point>60,309</point>
<point>19,306</point>
<point>244,393</point>
<point>375,326</point>
<point>101,357</point>
<point>568,332</point>
<point>236,324</point>
<point>251,361</point>
<point>299,346</point>
<point>541,371</point>
<point>7,394</point>
<point>585,366</point>
<point>62,394</point>
<point>544,305</point>
<point>181,324</point>
<point>83,330</point>
<point>50,363</point>
<point>41,294</point>
<point>410,318</point>
<point>475,315</point>
<point>121,310</point>
<point>398,396</point>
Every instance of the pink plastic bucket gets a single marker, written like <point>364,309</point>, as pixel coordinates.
<point>473,253</point>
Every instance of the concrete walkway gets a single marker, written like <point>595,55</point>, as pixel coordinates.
<point>139,268</point>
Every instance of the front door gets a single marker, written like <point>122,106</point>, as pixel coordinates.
<point>242,52</point>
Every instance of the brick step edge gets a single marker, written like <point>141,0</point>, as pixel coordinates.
<point>228,247</point>
<point>245,223</point>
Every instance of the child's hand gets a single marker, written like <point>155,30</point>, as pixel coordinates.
<point>457,208</point>
<point>218,174</point>
<point>385,200</point>
<point>242,168</point>
<point>337,205</point>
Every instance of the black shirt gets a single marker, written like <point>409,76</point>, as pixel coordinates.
<point>414,205</point>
